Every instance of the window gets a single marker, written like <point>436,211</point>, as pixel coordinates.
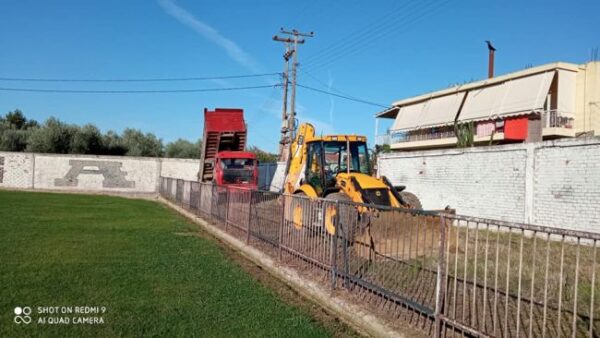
<point>336,157</point>
<point>237,163</point>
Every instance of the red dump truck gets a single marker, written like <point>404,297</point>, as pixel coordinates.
<point>224,160</point>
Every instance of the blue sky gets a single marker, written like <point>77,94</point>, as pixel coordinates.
<point>380,51</point>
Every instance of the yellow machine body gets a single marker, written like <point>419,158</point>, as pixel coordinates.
<point>346,182</point>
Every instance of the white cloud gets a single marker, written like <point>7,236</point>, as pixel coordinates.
<point>233,50</point>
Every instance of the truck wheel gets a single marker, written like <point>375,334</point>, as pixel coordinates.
<point>412,200</point>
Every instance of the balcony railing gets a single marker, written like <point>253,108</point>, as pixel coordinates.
<point>550,119</point>
<point>422,135</point>
<point>558,119</point>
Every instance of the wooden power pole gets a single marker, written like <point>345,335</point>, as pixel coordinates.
<point>288,119</point>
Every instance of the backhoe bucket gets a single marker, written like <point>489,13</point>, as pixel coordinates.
<point>400,234</point>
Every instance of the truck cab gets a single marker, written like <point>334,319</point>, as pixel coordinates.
<point>236,168</point>
<point>223,158</point>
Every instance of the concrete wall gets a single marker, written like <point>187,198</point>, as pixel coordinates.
<point>16,170</point>
<point>96,173</point>
<point>91,173</point>
<point>186,169</point>
<point>555,183</point>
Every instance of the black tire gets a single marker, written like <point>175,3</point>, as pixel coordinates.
<point>412,200</point>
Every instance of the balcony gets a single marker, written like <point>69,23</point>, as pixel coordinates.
<point>414,136</point>
<point>556,123</point>
<point>557,119</point>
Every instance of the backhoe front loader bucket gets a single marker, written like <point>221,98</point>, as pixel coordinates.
<point>393,233</point>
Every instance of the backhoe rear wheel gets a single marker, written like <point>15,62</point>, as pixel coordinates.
<point>298,210</point>
<point>412,200</point>
<point>346,214</point>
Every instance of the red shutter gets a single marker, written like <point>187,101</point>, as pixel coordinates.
<point>515,129</point>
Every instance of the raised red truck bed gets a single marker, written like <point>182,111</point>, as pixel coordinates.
<point>223,158</point>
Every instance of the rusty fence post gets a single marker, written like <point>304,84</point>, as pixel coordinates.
<point>441,278</point>
<point>280,234</point>
<point>190,196</point>
<point>200,188</point>
<point>249,218</point>
<point>346,259</point>
<point>334,246</point>
<point>227,194</point>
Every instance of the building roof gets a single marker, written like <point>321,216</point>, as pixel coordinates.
<point>393,111</point>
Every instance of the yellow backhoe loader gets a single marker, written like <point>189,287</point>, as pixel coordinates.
<point>338,167</point>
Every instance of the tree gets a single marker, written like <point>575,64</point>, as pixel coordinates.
<point>87,140</point>
<point>53,137</point>
<point>113,144</point>
<point>464,132</point>
<point>183,149</point>
<point>15,119</point>
<point>14,140</point>
<point>138,144</point>
<point>263,156</point>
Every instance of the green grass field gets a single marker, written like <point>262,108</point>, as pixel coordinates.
<point>134,258</point>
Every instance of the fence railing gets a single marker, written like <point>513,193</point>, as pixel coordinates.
<point>449,275</point>
<point>558,119</point>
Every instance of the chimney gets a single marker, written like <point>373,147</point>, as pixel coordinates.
<point>491,50</point>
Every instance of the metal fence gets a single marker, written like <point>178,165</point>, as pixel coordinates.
<point>449,275</point>
<point>266,171</point>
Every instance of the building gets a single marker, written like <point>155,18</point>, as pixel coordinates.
<point>556,100</point>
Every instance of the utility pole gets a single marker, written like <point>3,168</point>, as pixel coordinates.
<point>286,78</point>
<point>288,127</point>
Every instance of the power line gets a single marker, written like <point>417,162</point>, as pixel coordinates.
<point>385,24</point>
<point>361,43</point>
<point>343,96</point>
<point>158,91</point>
<point>321,82</point>
<point>173,79</point>
<point>378,24</point>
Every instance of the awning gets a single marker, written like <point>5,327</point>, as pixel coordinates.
<point>441,110</point>
<point>431,113</point>
<point>408,116</point>
<point>513,97</point>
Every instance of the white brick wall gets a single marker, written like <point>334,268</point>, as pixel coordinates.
<point>16,170</point>
<point>186,169</point>
<point>458,179</point>
<point>554,183</point>
<point>567,186</point>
